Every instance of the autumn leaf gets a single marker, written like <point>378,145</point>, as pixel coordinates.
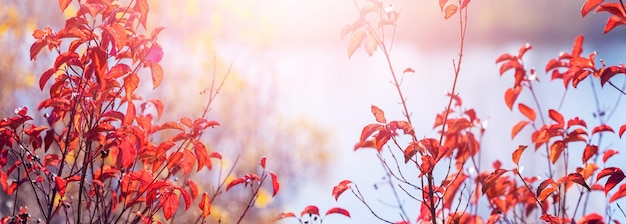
<point>619,193</point>
<point>205,205</point>
<point>524,49</point>
<point>615,174</point>
<point>408,70</point>
<point>169,202</point>
<point>574,177</point>
<point>275,184</point>
<point>613,22</point>
<point>556,149</point>
<point>527,111</point>
<point>556,116</point>
<point>518,153</point>
<point>602,128</point>
<point>311,209</point>
<point>285,215</point>
<point>410,151</point>
<point>510,96</point>
<point>492,178</point>
<point>336,210</point>
<point>142,7</point>
<point>517,128</point>
<point>157,75</point>
<point>505,57</point>
<point>590,150</point>
<point>450,10</point>
<point>371,43</point>
<point>609,72</point>
<point>355,42</point>
<point>589,5</point>
<point>378,114</point>
<point>340,188</point>
<point>545,189</point>
<point>608,154</point>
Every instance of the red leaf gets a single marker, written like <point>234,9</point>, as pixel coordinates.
<point>157,75</point>
<point>450,10</point>
<point>554,64</point>
<point>613,22</point>
<point>505,57</point>
<point>511,96</point>
<point>378,114</point>
<point>142,7</point>
<point>275,184</point>
<point>576,178</point>
<point>336,210</point>
<point>205,205</point>
<point>169,203</point>
<point>455,183</point>
<point>311,209</point>
<point>234,183</point>
<point>619,193</point>
<point>517,128</point>
<point>131,82</point>
<point>590,150</point>
<point>524,49</point>
<point>608,154</point>
<point>518,153</point>
<point>410,151</point>
<point>615,176</point>
<point>427,166</point>
<point>262,163</point>
<point>36,48</point>
<point>60,185</point>
<point>193,188</point>
<point>442,3</point>
<point>578,46</point>
<point>45,77</point>
<point>491,179</point>
<point>185,196</point>
<point>355,42</point>
<point>527,111</point>
<point>408,70</point>
<point>510,65</point>
<point>602,128</point>
<point>556,116</point>
<point>589,5</point>
<point>545,189</point>
<point>576,121</point>
<point>201,155</point>
<point>340,188</point>
<point>609,72</point>
<point>464,4</point>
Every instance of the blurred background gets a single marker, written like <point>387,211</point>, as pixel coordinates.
<point>293,95</point>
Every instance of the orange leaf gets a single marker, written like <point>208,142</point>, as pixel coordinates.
<point>491,179</point>
<point>193,188</point>
<point>410,151</point>
<point>157,75</point>
<point>578,46</point>
<point>370,43</point>
<point>450,10</point>
<point>275,184</point>
<point>234,183</point>
<point>576,121</point>
<point>368,130</point>
<point>336,210</point>
<point>576,178</point>
<point>63,4</point>
<point>527,111</point>
<point>589,5</point>
<point>131,82</point>
<point>285,215</point>
<point>517,128</point>
<point>450,194</point>
<point>518,153</point>
<point>590,150</point>
<point>205,205</point>
<point>442,3</point>
<point>556,149</point>
<point>427,166</point>
<point>378,114</point>
<point>613,22</point>
<point>408,70</point>
<point>556,116</point>
<point>511,96</point>
<point>545,189</point>
<point>355,42</point>
<point>142,7</point>
<point>340,188</point>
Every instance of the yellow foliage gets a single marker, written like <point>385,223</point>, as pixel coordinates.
<point>263,199</point>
